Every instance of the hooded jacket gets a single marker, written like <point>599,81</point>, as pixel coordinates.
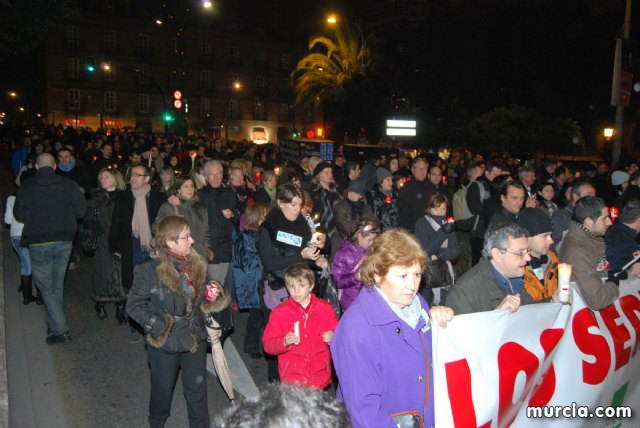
<point>345,266</point>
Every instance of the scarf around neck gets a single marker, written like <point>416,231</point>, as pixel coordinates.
<point>270,192</point>
<point>410,314</point>
<point>66,168</point>
<point>140,221</point>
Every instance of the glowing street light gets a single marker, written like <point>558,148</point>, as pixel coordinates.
<point>331,19</point>
<point>207,4</point>
<point>608,133</point>
<point>13,94</point>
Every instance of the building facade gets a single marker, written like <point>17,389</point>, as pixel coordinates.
<point>117,72</point>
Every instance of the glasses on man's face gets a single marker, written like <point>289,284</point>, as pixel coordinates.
<point>186,237</point>
<point>135,174</point>
<point>521,254</point>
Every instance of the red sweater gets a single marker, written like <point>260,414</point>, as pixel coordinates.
<point>309,362</point>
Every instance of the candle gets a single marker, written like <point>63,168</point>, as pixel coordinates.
<point>564,276</point>
<point>149,159</point>
<point>193,159</point>
<point>613,213</point>
<point>296,330</point>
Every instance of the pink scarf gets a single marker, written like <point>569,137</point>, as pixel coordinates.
<point>140,221</point>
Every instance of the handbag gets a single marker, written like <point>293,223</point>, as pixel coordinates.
<point>273,297</point>
<point>437,274</point>
<point>90,235</point>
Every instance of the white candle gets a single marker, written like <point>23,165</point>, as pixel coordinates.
<point>296,330</point>
<point>149,160</point>
<point>564,276</point>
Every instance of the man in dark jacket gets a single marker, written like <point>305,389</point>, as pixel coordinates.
<point>49,205</point>
<point>415,195</point>
<point>496,282</point>
<point>623,251</point>
<point>222,206</point>
<point>132,245</point>
<point>73,168</point>
<point>512,195</point>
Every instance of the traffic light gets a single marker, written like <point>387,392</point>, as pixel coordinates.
<point>90,68</point>
<point>168,117</point>
<point>177,100</point>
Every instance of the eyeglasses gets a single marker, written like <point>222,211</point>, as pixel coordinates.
<point>187,237</point>
<point>521,254</point>
<point>135,174</point>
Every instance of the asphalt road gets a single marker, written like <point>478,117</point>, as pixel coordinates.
<point>101,379</point>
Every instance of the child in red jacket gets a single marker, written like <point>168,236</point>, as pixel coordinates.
<point>299,332</point>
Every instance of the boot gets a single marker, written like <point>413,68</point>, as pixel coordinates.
<point>100,311</point>
<point>120,316</point>
<point>27,296</point>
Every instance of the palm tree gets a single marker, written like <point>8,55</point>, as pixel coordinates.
<point>333,65</point>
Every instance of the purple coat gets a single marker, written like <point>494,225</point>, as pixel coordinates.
<point>346,264</point>
<point>383,366</point>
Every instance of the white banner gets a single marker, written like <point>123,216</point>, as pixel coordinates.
<point>545,365</point>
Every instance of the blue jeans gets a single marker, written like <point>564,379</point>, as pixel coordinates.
<point>49,267</point>
<point>23,255</point>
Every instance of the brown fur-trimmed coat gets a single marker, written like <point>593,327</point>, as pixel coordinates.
<point>172,321</point>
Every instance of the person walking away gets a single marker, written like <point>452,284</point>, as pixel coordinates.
<point>42,201</point>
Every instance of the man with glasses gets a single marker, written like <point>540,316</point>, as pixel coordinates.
<point>134,211</point>
<point>541,276</point>
<point>496,282</point>
<point>585,249</point>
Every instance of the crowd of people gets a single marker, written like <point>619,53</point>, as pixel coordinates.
<point>342,265</point>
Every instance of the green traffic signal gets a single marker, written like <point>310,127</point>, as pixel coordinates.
<point>91,68</point>
<point>168,117</point>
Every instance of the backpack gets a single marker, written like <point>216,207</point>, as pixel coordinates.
<point>461,210</point>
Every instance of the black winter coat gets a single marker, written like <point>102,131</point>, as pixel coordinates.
<point>49,205</point>
<point>220,228</point>
<point>121,234</point>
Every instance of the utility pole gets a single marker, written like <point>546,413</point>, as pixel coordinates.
<point>619,128</point>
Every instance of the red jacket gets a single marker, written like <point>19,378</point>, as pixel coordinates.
<point>309,362</point>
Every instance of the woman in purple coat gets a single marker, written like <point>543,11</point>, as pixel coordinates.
<point>346,263</point>
<point>382,347</point>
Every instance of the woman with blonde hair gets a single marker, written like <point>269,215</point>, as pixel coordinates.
<point>106,286</point>
<point>383,342</point>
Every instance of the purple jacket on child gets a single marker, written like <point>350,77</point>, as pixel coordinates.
<point>346,264</point>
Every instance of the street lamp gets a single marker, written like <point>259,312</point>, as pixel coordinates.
<point>333,19</point>
<point>235,86</point>
<point>608,133</point>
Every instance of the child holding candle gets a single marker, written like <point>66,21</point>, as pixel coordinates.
<point>299,332</point>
